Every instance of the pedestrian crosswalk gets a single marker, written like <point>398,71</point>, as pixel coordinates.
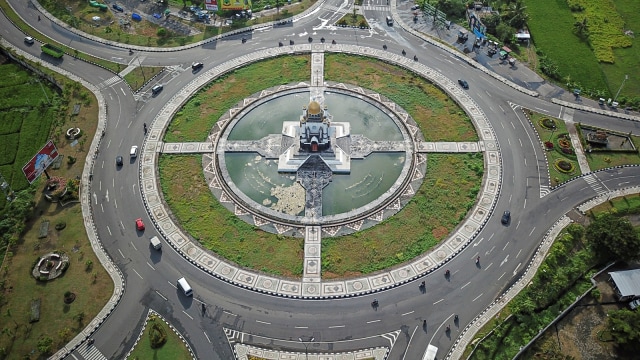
<point>595,184</point>
<point>375,8</point>
<point>90,353</point>
<point>110,81</point>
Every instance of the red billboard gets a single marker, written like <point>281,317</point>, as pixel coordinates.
<point>211,5</point>
<point>39,163</point>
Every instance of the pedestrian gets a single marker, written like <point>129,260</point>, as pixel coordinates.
<point>38,17</point>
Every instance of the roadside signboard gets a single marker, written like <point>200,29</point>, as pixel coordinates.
<point>211,5</point>
<point>39,163</point>
<point>236,5</point>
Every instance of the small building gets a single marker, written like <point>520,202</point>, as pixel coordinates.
<point>626,284</point>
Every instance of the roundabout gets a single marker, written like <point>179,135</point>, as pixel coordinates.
<point>312,227</point>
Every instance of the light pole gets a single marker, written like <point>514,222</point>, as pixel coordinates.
<point>626,77</point>
<point>306,346</point>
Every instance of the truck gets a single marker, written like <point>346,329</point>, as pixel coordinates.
<point>52,50</point>
<point>155,243</point>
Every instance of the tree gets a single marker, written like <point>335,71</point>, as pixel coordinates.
<point>613,238</point>
<point>515,14</point>
<point>624,326</point>
<point>491,22</point>
<point>504,32</point>
<point>581,28</point>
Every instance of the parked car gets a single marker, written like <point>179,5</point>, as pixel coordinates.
<point>634,304</point>
<point>28,40</point>
<point>463,83</point>
<point>119,161</point>
<point>415,7</point>
<point>139,224</point>
<point>197,66</point>
<point>506,217</point>
<point>133,153</point>
<point>117,7</point>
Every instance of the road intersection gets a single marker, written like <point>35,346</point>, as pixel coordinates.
<point>238,316</point>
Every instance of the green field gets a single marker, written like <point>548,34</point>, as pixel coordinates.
<point>26,118</point>
<point>552,27</point>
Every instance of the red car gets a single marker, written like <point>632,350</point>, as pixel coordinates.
<point>139,224</point>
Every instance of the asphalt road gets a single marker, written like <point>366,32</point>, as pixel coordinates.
<point>337,324</point>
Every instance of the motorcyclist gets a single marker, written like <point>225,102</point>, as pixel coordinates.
<point>447,273</point>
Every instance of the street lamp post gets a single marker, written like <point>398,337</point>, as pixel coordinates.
<point>306,346</point>
<point>626,77</point>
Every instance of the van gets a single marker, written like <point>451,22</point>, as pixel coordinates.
<point>389,20</point>
<point>155,243</point>
<point>156,89</point>
<point>184,285</point>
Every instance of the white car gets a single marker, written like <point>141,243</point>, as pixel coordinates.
<point>28,40</point>
<point>134,151</point>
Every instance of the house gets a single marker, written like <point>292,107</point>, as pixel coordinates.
<point>626,284</point>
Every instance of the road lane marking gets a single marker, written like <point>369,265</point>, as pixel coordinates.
<point>121,224</point>
<point>504,261</point>
<point>95,198</point>
<point>409,343</point>
<point>123,93</point>
<point>115,203</point>
<point>134,246</point>
<point>532,231</point>
<point>478,242</point>
<point>438,301</point>
<point>101,207</point>
<point>491,237</point>
<point>162,296</point>
<point>505,246</point>
<point>518,225</point>
<point>477,297</point>
<point>301,327</point>
<point>151,266</point>
<point>109,230</point>
<point>263,322</point>
<point>121,254</point>
<point>140,276</point>
<point>501,276</point>
<point>465,285</point>
<point>373,321</point>
<point>518,253</point>
<point>407,313</point>
<point>487,268</point>
<point>205,334</point>
<point>336,326</point>
<point>184,312</point>
<point>516,270</point>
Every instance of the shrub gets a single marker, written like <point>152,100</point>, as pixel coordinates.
<point>157,335</point>
<point>61,225</point>
<point>162,32</point>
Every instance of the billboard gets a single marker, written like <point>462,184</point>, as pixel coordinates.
<point>37,165</point>
<point>236,4</point>
<point>211,5</point>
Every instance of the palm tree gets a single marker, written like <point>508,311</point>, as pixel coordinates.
<point>581,28</point>
<point>515,14</point>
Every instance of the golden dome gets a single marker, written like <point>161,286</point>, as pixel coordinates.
<point>314,108</point>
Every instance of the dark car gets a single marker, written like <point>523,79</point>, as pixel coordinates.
<point>156,89</point>
<point>463,83</point>
<point>197,66</point>
<point>117,7</point>
<point>415,7</point>
<point>506,217</point>
<point>119,160</point>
